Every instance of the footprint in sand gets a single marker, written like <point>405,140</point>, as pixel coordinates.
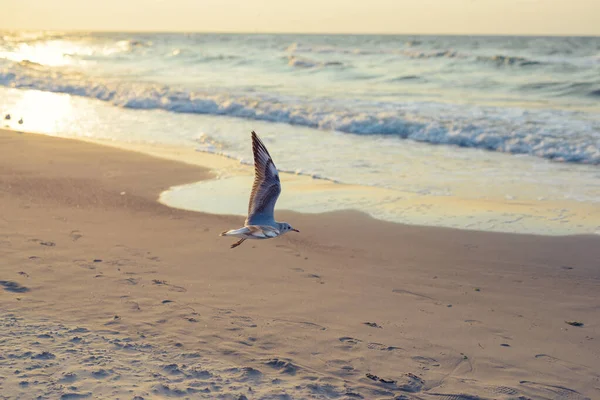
<point>551,391</point>
<point>304,324</point>
<point>44,243</point>
<point>130,281</point>
<point>284,366</point>
<point>243,321</point>
<point>75,235</point>
<point>68,377</point>
<point>565,364</point>
<point>407,383</point>
<point>349,342</point>
<point>173,288</point>
<point>503,390</point>
<point>442,396</point>
<point>102,373</point>
<point>246,374</point>
<point>426,361</point>
<point>133,305</point>
<point>327,390</point>
<point>382,347</point>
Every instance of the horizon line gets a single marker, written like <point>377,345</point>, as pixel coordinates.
<point>308,33</point>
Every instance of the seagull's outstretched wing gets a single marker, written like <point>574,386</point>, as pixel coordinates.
<point>266,188</point>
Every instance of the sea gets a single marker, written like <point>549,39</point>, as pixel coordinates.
<point>479,132</point>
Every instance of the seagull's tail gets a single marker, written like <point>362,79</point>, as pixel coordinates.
<point>224,233</point>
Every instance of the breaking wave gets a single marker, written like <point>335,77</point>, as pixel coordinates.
<point>550,134</point>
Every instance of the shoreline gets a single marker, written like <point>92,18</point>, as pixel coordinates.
<point>94,266</point>
<point>231,179</point>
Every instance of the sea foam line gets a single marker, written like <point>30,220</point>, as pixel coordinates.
<point>560,136</point>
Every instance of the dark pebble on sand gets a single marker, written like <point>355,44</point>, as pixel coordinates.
<point>505,345</point>
<point>574,323</point>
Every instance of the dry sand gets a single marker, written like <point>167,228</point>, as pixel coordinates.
<point>105,293</point>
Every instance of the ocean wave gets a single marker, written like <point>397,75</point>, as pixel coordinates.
<point>411,53</point>
<point>187,56</point>
<point>502,60</point>
<point>538,133</point>
<point>499,60</point>
<point>404,78</point>
<point>432,54</point>
<point>131,44</point>
<point>300,62</point>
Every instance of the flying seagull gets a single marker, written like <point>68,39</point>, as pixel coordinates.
<point>261,223</point>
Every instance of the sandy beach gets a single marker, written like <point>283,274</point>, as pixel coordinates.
<point>107,294</point>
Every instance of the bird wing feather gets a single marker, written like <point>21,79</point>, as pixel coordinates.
<point>266,187</point>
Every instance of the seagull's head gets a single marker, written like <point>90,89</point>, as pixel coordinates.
<point>285,227</point>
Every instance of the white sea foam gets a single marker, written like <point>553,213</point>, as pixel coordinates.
<point>554,134</point>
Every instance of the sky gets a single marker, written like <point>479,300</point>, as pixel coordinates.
<point>495,17</point>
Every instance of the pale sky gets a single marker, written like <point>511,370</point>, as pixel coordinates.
<point>532,17</point>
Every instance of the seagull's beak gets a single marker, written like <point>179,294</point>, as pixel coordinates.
<point>295,230</point>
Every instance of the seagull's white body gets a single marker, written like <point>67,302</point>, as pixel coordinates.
<point>254,232</point>
<point>261,223</point>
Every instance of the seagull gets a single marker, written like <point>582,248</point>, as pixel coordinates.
<point>261,223</point>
